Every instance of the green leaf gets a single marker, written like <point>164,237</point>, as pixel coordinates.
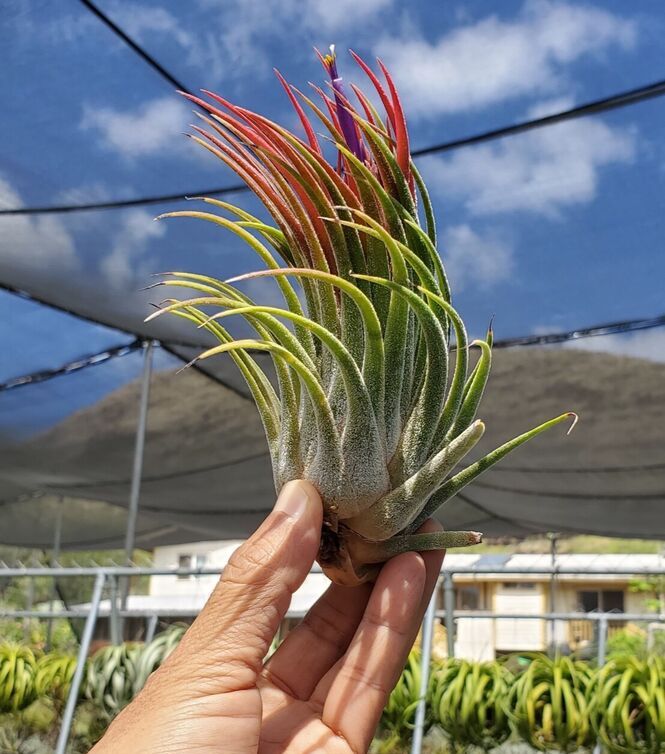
<point>373,358</point>
<point>290,296</point>
<point>361,443</point>
<point>457,483</point>
<point>421,424</point>
<point>456,390</point>
<point>473,391</point>
<point>328,463</point>
<point>396,510</point>
<point>427,204</point>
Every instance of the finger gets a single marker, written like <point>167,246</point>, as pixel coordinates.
<point>225,646</point>
<point>354,692</point>
<point>313,647</point>
<point>433,561</point>
<point>323,636</point>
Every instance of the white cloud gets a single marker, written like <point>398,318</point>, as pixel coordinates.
<point>493,60</point>
<point>152,128</point>
<point>643,344</point>
<point>313,15</point>
<point>473,258</point>
<point>540,171</point>
<point>126,261</point>
<point>39,241</point>
<point>32,28</point>
<point>232,35</point>
<point>87,193</point>
<point>139,21</point>
<point>341,14</point>
<point>239,30</point>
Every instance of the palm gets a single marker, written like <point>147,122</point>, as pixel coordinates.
<point>290,724</point>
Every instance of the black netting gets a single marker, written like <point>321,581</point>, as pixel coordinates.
<point>548,230</point>
<point>207,470</point>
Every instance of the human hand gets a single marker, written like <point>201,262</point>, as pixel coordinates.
<point>324,688</point>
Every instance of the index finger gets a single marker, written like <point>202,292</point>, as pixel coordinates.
<point>359,684</point>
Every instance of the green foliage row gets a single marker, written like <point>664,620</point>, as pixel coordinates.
<point>557,704</point>
<point>112,677</point>
<point>34,687</point>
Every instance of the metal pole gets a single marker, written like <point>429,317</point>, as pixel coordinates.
<point>661,587</point>
<point>425,660</point>
<point>137,470</point>
<point>151,628</point>
<point>114,614</point>
<point>55,557</point>
<point>449,607</point>
<point>29,604</point>
<point>553,584</point>
<point>602,643</point>
<point>72,698</point>
<point>602,638</point>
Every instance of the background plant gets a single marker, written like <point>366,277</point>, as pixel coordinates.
<point>628,705</point>
<point>398,717</point>
<point>53,675</point>
<point>153,654</point>
<point>111,675</point>
<point>548,704</point>
<point>17,677</point>
<point>552,704</point>
<point>468,701</point>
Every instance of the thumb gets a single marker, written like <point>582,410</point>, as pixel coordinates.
<point>235,628</point>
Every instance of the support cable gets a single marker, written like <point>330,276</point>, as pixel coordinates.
<point>613,328</point>
<point>594,107</point>
<point>72,366</point>
<point>135,46</point>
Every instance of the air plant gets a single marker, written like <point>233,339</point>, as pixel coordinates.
<point>375,399</point>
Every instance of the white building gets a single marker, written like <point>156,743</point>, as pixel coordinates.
<point>175,597</point>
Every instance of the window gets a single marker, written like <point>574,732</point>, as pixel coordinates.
<point>528,586</point>
<point>600,601</point>
<point>184,561</point>
<point>468,597</point>
<point>612,601</point>
<point>588,602</point>
<point>191,561</point>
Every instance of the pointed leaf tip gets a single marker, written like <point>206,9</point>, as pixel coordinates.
<point>187,365</point>
<point>575,419</point>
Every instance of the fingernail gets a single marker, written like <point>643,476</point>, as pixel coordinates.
<point>293,499</point>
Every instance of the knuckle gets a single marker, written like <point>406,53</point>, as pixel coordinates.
<point>253,562</point>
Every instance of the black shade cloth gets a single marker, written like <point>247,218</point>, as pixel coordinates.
<point>550,230</point>
<point>207,472</point>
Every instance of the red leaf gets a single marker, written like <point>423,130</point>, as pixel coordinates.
<point>311,136</point>
<point>387,104</point>
<point>401,132</point>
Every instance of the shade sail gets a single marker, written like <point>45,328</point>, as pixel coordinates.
<point>207,472</point>
<point>551,229</point>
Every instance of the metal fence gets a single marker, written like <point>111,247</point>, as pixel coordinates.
<point>116,580</point>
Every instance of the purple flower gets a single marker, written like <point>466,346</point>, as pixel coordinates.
<point>346,122</point>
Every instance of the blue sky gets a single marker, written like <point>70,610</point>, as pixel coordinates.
<point>550,230</point>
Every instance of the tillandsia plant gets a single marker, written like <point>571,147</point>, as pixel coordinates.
<point>469,702</point>
<point>368,405</point>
